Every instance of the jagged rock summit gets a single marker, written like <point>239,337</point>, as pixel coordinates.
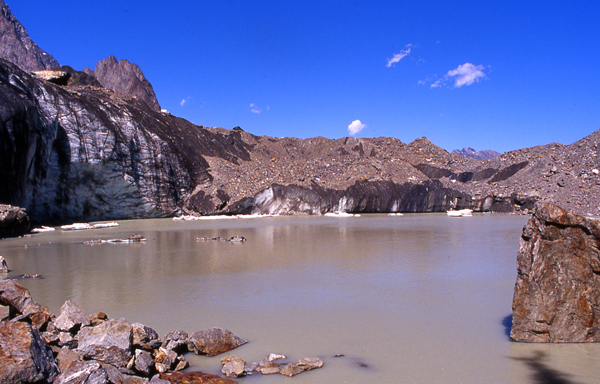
<point>124,77</point>
<point>18,48</point>
<point>479,155</point>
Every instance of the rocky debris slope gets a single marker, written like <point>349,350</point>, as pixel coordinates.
<point>17,47</point>
<point>479,155</point>
<point>124,77</point>
<point>557,292</point>
<point>38,347</point>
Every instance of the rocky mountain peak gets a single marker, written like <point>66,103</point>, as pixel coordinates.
<point>125,77</point>
<point>18,48</point>
<point>478,155</point>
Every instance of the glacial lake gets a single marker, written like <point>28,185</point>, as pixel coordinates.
<point>419,298</point>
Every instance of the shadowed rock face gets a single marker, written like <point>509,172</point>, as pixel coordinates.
<point>557,292</point>
<point>124,77</point>
<point>17,47</point>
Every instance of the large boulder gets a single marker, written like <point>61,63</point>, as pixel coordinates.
<point>19,300</point>
<point>71,317</point>
<point>14,221</point>
<point>214,341</point>
<point>25,357</point>
<point>557,292</point>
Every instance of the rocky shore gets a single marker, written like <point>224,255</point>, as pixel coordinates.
<point>38,347</point>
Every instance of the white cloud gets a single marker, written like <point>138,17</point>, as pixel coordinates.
<point>183,101</point>
<point>464,74</point>
<point>254,108</point>
<point>355,127</point>
<point>398,56</point>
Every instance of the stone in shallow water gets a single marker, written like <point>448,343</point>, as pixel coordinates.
<point>558,278</point>
<point>195,378</point>
<point>214,341</point>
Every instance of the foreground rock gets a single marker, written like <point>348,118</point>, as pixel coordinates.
<point>24,355</point>
<point>14,221</point>
<point>214,341</point>
<point>558,278</point>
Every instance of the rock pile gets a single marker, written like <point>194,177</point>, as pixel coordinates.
<point>37,347</point>
<point>236,367</point>
<point>557,292</point>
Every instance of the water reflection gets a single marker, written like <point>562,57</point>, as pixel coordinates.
<point>421,297</point>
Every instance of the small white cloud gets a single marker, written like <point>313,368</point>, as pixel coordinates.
<point>355,127</point>
<point>182,102</point>
<point>254,108</point>
<point>398,56</point>
<point>466,74</point>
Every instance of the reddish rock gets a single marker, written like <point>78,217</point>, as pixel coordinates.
<point>194,378</point>
<point>557,292</point>
<point>19,298</point>
<point>25,357</point>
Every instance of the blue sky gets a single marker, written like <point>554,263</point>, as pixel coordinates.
<point>496,75</point>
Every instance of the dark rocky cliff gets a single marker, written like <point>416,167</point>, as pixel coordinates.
<point>17,47</point>
<point>124,77</point>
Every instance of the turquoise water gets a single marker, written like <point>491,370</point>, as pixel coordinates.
<point>420,298</point>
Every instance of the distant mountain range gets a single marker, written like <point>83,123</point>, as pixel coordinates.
<point>470,153</point>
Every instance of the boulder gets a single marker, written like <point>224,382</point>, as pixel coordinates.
<point>19,298</point>
<point>25,357</point>
<point>557,290</point>
<point>14,221</point>
<point>194,378</point>
<point>145,337</point>
<point>94,372</point>
<point>309,363</point>
<point>176,340</point>
<point>71,317</point>
<point>291,370</point>
<point>143,362</point>
<point>3,265</point>
<point>111,355</point>
<point>66,357</point>
<point>110,333</point>
<point>214,341</point>
<point>233,366</point>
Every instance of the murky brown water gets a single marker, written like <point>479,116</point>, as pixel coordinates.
<point>420,298</point>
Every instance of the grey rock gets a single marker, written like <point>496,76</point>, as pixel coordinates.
<point>479,155</point>
<point>112,355</point>
<point>165,360</point>
<point>25,356</point>
<point>124,77</point>
<point>16,45</point>
<point>66,339</point>
<point>3,265</point>
<point>309,363</point>
<point>233,366</point>
<point>558,278</point>
<point>270,368</point>
<point>291,370</point>
<point>145,337</point>
<point>110,333</point>
<point>71,317</point>
<point>214,341</point>
<point>176,341</point>
<point>83,372</point>
<point>14,221</point>
<point>143,362</point>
